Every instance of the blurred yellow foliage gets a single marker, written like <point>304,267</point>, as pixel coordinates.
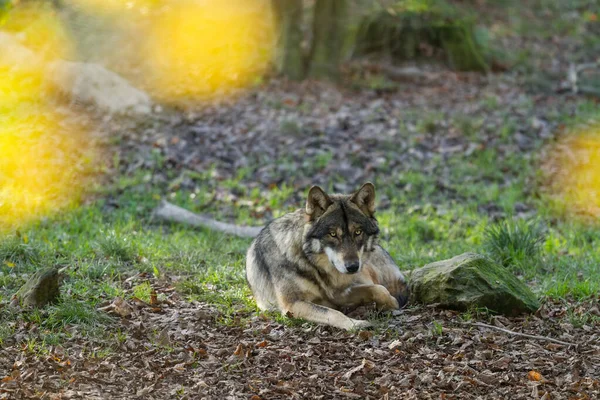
<point>18,86</point>
<point>44,158</point>
<point>42,155</point>
<point>116,6</point>
<point>38,27</point>
<point>204,49</point>
<point>32,35</point>
<point>574,171</point>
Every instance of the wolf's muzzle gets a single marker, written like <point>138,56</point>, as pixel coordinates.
<point>352,267</point>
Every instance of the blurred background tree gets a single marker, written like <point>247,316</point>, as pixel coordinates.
<point>394,31</point>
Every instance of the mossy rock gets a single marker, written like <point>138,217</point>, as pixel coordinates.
<point>42,288</point>
<point>471,280</point>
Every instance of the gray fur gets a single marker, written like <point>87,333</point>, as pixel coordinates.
<point>301,263</point>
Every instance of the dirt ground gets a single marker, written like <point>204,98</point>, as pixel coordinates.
<point>177,349</point>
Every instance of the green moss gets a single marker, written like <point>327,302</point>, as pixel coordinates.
<point>472,280</point>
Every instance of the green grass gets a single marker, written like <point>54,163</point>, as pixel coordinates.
<point>16,250</point>
<point>102,248</point>
<point>100,245</point>
<point>117,247</point>
<point>513,242</point>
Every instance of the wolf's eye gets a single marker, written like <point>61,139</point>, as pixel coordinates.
<point>358,232</point>
<point>332,234</point>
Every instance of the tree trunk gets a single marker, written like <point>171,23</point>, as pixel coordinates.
<point>328,39</point>
<point>290,60</point>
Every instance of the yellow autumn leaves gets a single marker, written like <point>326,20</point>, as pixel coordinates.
<point>41,152</point>
<point>205,49</point>
<point>573,172</point>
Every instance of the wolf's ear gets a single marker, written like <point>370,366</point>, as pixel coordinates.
<point>364,198</point>
<point>317,202</point>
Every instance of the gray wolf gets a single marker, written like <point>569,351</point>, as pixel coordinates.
<point>317,261</point>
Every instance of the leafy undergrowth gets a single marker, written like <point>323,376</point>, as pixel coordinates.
<point>166,347</point>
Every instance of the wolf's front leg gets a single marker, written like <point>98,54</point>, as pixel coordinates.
<point>368,293</point>
<point>323,315</point>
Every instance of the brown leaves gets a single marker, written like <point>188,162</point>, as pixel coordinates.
<point>185,346</point>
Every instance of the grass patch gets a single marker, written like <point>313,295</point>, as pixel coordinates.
<point>74,312</point>
<point>116,246</point>
<point>513,243</point>
<point>16,250</point>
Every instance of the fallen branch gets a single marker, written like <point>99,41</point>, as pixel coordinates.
<point>573,78</point>
<point>171,212</point>
<point>400,74</point>
<point>525,335</point>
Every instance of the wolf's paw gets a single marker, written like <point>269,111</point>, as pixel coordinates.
<point>360,324</point>
<point>384,300</point>
<point>388,303</point>
<point>391,304</point>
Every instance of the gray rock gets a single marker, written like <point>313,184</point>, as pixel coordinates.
<point>95,85</point>
<point>471,280</point>
<point>87,83</point>
<point>42,288</point>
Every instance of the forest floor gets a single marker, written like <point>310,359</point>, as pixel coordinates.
<point>163,311</point>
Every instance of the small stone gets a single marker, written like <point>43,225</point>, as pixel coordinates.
<point>42,288</point>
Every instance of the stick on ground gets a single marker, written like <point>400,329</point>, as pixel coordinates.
<point>171,212</point>
<point>525,335</point>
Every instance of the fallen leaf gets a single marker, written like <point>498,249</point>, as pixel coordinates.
<point>163,337</point>
<point>365,335</point>
<point>534,376</point>
<point>239,350</point>
<point>394,344</point>
<point>366,365</point>
<point>153,297</point>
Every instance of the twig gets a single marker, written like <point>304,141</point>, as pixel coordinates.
<point>173,213</point>
<point>536,337</point>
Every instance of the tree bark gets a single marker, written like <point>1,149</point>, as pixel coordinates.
<point>290,60</point>
<point>328,39</point>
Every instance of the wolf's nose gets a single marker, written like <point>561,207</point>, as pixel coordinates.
<point>352,267</point>
<point>402,300</point>
<point>403,296</point>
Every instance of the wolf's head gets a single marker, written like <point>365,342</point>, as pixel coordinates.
<point>341,226</point>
